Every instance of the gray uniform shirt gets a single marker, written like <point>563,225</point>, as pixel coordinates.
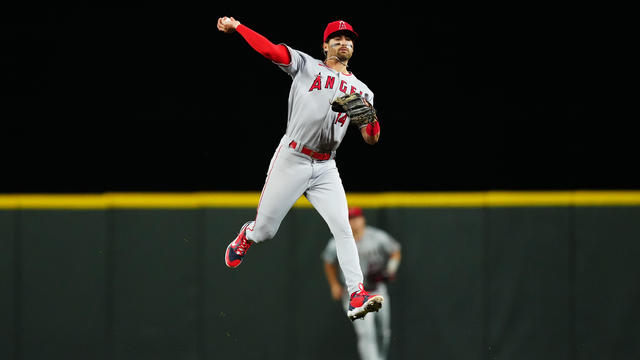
<point>374,250</point>
<point>311,122</point>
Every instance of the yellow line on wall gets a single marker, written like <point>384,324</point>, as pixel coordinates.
<point>195,200</point>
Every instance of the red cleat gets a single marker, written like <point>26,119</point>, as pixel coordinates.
<point>238,248</point>
<point>362,303</point>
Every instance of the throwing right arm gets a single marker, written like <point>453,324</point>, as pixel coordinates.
<point>276,53</point>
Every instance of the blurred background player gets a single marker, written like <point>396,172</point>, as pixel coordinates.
<point>380,256</point>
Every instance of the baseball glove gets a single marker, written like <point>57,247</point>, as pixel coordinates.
<point>358,110</point>
<point>371,280</point>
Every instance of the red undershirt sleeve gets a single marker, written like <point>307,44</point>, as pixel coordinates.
<point>276,53</point>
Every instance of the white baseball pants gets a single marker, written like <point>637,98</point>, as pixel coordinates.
<point>292,174</point>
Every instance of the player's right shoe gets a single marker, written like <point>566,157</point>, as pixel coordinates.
<point>361,303</point>
<point>238,248</point>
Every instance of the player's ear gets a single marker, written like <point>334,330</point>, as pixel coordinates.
<point>325,48</point>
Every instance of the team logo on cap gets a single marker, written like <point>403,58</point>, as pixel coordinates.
<point>342,25</point>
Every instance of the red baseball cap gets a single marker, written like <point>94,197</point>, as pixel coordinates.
<point>336,26</point>
<point>355,212</point>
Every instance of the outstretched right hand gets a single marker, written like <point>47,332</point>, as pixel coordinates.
<point>227,24</point>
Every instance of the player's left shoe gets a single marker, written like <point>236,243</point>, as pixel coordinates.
<point>238,248</point>
<point>362,303</point>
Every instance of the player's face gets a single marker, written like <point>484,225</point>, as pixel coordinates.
<point>357,224</point>
<point>340,46</point>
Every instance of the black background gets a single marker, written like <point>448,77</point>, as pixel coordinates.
<point>154,98</point>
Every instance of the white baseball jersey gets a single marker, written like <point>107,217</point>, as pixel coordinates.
<point>374,250</point>
<point>310,118</point>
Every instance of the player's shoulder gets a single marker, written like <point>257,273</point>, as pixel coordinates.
<point>331,243</point>
<point>378,233</point>
<point>300,53</point>
<point>374,229</point>
<point>330,251</point>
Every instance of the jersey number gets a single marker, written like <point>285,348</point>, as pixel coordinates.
<point>342,117</point>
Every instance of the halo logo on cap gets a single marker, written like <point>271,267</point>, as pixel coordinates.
<point>339,25</point>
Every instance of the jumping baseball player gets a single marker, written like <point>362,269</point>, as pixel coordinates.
<point>325,97</point>
<point>380,257</point>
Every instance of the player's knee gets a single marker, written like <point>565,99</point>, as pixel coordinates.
<point>341,230</point>
<point>343,235</point>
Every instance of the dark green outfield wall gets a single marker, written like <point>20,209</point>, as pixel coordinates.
<point>475,283</point>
